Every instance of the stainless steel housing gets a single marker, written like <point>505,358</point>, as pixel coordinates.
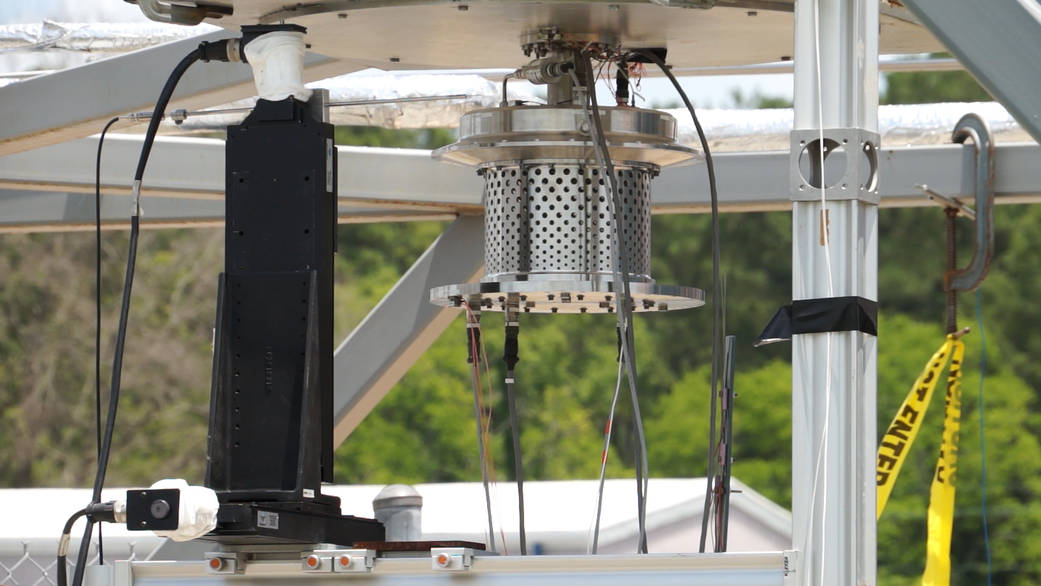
<point>549,217</point>
<point>516,133</point>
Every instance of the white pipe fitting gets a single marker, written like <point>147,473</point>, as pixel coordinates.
<point>277,59</point>
<point>196,512</point>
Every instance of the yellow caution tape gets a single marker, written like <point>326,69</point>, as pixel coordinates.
<point>941,495</point>
<point>901,433</point>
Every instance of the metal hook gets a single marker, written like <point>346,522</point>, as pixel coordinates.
<point>969,278</point>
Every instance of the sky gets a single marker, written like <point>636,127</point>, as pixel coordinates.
<point>704,91</point>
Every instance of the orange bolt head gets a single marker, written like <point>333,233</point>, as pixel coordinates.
<point>345,561</point>
<point>216,563</point>
<point>443,560</point>
<point>313,561</point>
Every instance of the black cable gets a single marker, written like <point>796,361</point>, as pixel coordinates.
<point>63,546</point>
<point>511,356</point>
<point>128,283</point>
<point>624,302</point>
<point>716,293</point>
<point>621,83</point>
<point>97,305</point>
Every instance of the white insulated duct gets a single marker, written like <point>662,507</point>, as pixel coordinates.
<point>277,59</point>
<point>94,37</point>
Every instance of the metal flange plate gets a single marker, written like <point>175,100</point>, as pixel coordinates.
<point>565,296</point>
<point>514,133</point>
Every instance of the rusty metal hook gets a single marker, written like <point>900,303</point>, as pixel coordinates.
<point>971,126</point>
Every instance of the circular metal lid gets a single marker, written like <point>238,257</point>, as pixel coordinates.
<point>497,135</point>
<point>397,495</point>
<point>565,296</point>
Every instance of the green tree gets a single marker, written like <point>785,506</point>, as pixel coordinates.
<point>757,100</point>
<point>934,86</point>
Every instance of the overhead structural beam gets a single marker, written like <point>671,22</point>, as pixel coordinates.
<point>194,168</point>
<point>949,169</point>
<point>34,211</point>
<point>999,43</point>
<point>403,325</point>
<point>46,196</point>
<point>77,102</point>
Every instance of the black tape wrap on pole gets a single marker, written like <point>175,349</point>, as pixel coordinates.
<point>815,316</point>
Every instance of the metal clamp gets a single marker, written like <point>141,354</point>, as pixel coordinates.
<point>225,562</point>
<point>451,559</point>
<point>859,180</point>
<point>352,561</point>
<point>969,278</point>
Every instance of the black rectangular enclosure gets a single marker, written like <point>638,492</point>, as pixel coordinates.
<point>270,439</point>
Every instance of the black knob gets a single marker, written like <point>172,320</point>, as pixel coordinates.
<point>160,509</point>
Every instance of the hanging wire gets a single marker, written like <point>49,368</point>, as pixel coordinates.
<point>511,355</point>
<point>128,281</point>
<point>483,390</point>
<point>983,438</point>
<point>486,429</point>
<point>608,428</point>
<point>621,286</point>
<point>473,332</point>
<point>822,452</point>
<point>717,296</point>
<point>518,463</point>
<point>97,307</point>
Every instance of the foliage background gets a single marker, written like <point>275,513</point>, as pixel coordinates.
<point>423,431</point>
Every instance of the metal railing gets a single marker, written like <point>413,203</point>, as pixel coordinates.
<point>37,564</point>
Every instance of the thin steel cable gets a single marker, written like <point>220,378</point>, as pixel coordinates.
<point>476,380</point>
<point>603,461</point>
<point>822,449</point>
<point>983,438</point>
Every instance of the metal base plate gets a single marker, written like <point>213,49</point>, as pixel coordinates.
<point>576,296</point>
<point>279,523</point>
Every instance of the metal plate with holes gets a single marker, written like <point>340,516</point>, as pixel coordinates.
<point>154,509</point>
<point>498,135</point>
<point>543,219</point>
<point>565,296</point>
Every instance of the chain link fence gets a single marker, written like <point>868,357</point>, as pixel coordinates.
<point>37,566</point>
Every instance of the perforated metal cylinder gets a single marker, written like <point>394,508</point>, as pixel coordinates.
<point>553,220</point>
<point>549,218</point>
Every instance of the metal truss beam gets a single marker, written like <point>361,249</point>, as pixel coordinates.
<point>403,325</point>
<point>76,102</point>
<point>748,569</point>
<point>998,42</point>
<point>187,171</point>
<point>193,168</point>
<point>33,211</point>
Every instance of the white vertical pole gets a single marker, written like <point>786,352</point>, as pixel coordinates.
<point>833,374</point>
